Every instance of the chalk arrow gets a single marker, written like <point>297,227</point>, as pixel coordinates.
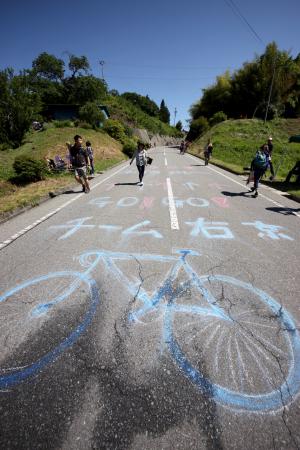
<point>190,185</point>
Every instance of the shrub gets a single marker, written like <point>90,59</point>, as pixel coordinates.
<point>62,123</point>
<point>91,114</point>
<point>115,129</point>
<point>218,117</point>
<point>28,169</point>
<point>129,147</point>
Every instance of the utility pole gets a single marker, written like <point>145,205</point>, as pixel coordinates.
<point>270,92</point>
<point>175,112</point>
<point>102,64</point>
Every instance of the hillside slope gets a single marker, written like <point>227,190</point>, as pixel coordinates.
<point>236,141</point>
<point>48,143</point>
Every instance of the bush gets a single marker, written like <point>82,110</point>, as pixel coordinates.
<point>62,123</point>
<point>129,147</point>
<point>28,169</point>
<point>115,129</point>
<point>91,114</point>
<point>218,117</point>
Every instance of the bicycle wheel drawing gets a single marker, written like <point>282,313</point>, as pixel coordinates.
<point>42,318</point>
<point>244,353</point>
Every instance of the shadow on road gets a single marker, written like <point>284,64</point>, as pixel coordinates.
<point>247,194</point>
<point>127,184</point>
<point>284,211</point>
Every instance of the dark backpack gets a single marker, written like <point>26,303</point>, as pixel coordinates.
<point>260,161</point>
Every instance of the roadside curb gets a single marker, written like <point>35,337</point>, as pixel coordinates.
<point>283,193</point>
<point>51,194</point>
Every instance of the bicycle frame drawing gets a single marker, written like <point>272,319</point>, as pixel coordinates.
<point>166,298</point>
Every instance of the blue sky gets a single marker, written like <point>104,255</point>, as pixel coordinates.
<point>166,49</point>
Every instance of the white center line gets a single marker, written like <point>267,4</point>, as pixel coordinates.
<point>172,207</point>
<point>42,219</point>
<point>240,184</point>
<point>166,162</point>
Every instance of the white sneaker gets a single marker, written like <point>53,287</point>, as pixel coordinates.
<point>141,184</point>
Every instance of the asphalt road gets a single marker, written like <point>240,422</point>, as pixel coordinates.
<point>152,317</point>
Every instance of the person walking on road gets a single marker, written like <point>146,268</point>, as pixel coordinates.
<point>270,150</point>
<point>258,166</point>
<point>182,147</point>
<point>80,162</point>
<point>140,155</point>
<point>208,151</point>
<point>90,153</point>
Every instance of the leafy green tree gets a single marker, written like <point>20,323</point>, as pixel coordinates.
<point>164,113</point>
<point>91,114</point>
<point>143,102</point>
<point>18,106</point>
<point>48,66</point>
<point>78,64</point>
<point>179,125</point>
<point>83,89</point>
<point>197,127</point>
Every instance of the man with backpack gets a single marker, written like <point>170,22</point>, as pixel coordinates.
<point>80,160</point>
<point>258,166</point>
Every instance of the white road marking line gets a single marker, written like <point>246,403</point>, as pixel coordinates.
<point>166,162</point>
<point>172,207</point>
<point>241,184</point>
<point>42,219</point>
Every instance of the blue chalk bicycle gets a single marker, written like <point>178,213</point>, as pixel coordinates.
<point>232,340</point>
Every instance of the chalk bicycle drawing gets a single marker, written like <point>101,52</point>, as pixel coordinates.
<point>246,335</point>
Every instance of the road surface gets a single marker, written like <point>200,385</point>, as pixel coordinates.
<point>152,317</point>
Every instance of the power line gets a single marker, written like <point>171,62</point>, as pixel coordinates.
<point>182,67</point>
<point>238,13</point>
<point>159,78</point>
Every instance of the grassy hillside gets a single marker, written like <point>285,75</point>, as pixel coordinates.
<point>49,143</point>
<point>236,141</point>
<point>134,117</point>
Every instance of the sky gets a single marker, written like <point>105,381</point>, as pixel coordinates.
<point>167,49</point>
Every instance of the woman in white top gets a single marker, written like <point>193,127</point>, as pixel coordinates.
<point>140,156</point>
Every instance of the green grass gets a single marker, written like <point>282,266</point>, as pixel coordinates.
<point>236,141</point>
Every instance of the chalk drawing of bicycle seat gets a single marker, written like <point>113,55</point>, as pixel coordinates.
<point>231,340</point>
<point>192,201</point>
<point>40,321</point>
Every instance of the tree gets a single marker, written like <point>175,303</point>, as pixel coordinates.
<point>91,114</point>
<point>197,127</point>
<point>83,89</point>
<point>179,125</point>
<point>18,106</point>
<point>164,113</point>
<point>144,103</point>
<point>77,64</point>
<point>48,66</point>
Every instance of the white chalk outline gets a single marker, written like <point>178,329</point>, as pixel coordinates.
<point>172,207</point>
